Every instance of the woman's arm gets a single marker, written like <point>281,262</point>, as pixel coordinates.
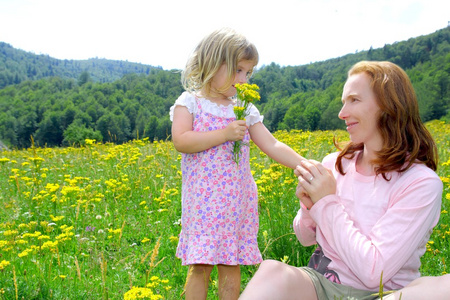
<point>188,141</point>
<point>395,240</point>
<point>305,227</point>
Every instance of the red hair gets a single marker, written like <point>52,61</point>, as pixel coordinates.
<point>405,138</point>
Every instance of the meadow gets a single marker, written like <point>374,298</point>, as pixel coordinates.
<point>101,221</point>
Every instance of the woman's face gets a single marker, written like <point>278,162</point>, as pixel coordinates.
<point>360,111</point>
<point>219,80</point>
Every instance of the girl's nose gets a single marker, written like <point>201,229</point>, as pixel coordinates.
<point>242,78</point>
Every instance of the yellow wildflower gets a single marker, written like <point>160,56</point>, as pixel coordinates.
<point>3,264</point>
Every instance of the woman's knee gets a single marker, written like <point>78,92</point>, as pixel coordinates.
<point>280,274</point>
<point>271,267</point>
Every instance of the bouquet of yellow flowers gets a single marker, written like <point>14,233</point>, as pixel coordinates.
<point>246,94</point>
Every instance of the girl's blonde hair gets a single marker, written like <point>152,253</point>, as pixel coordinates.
<point>223,46</point>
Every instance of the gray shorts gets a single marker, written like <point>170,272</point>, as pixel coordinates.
<point>326,289</point>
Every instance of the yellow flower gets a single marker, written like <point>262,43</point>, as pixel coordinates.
<point>246,94</point>
<point>239,110</point>
<point>3,264</point>
<point>10,232</point>
<point>140,293</point>
<point>56,219</point>
<point>89,141</point>
<point>173,239</point>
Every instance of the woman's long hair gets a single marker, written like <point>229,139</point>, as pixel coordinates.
<point>405,138</point>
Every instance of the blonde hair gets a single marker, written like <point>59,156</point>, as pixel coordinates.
<point>223,46</point>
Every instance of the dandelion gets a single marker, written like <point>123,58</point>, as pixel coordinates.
<point>10,232</point>
<point>89,141</point>
<point>141,293</point>
<point>246,94</point>
<point>57,218</point>
<point>285,259</point>
<point>173,239</point>
<point>4,264</point>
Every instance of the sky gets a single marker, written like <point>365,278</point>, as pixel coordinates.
<point>165,32</point>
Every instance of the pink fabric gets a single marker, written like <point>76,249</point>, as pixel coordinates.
<point>373,226</point>
<point>219,201</point>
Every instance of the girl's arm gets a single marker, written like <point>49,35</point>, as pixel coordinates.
<point>188,141</point>
<point>275,149</point>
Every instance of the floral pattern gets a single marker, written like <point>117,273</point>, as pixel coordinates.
<point>219,201</point>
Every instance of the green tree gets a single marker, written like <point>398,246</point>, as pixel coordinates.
<point>27,124</point>
<point>114,127</point>
<point>151,128</point>
<point>7,129</point>
<point>164,129</point>
<point>84,78</point>
<point>77,132</point>
<point>50,130</point>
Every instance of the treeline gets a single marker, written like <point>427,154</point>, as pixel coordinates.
<point>17,66</point>
<point>59,111</point>
<point>65,110</point>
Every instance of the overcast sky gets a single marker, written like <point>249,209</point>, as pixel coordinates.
<point>164,32</point>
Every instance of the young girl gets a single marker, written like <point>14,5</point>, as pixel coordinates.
<point>219,197</point>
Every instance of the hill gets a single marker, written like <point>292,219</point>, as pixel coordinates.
<point>111,102</point>
<point>17,65</point>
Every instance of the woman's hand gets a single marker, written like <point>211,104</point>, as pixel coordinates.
<point>314,182</point>
<point>303,196</point>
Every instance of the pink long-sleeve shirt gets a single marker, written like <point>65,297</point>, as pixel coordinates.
<point>372,225</point>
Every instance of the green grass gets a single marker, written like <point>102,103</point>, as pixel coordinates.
<point>101,221</point>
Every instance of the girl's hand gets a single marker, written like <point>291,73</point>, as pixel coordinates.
<point>235,131</point>
<point>316,181</point>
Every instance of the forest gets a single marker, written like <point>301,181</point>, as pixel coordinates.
<point>52,102</point>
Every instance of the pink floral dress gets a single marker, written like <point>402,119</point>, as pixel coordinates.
<point>219,198</point>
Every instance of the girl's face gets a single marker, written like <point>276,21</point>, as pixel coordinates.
<point>360,111</point>
<point>219,80</point>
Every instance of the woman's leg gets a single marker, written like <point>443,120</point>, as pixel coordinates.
<point>229,282</point>
<point>277,280</point>
<point>424,288</point>
<point>197,281</point>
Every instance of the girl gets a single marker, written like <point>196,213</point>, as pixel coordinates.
<point>219,197</point>
<point>371,207</point>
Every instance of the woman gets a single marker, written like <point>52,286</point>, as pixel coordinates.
<point>371,207</point>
